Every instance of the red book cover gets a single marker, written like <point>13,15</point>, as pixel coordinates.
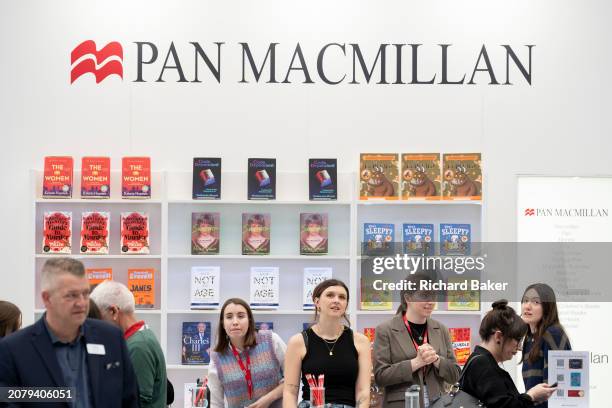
<point>460,339</point>
<point>136,177</point>
<point>370,333</point>
<point>57,232</point>
<point>57,179</point>
<point>134,233</point>
<point>95,232</point>
<point>95,177</point>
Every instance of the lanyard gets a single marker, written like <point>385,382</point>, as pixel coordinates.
<point>245,370</point>
<point>416,346</point>
<point>133,329</point>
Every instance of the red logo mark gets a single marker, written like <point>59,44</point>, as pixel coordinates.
<point>107,61</point>
<point>529,211</point>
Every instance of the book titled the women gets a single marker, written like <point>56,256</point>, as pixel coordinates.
<point>57,232</point>
<point>255,234</point>
<point>57,177</point>
<point>264,288</point>
<point>455,239</point>
<point>136,177</point>
<point>141,282</point>
<point>261,174</point>
<point>378,239</point>
<point>95,227</point>
<point>95,177</point>
<point>205,284</point>
<point>313,234</point>
<point>322,179</point>
<point>205,228</point>
<point>418,239</point>
<point>312,277</point>
<point>462,174</point>
<point>379,176</point>
<point>206,178</point>
<point>195,349</point>
<point>421,176</point>
<point>134,233</point>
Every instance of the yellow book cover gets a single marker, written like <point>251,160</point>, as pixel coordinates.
<point>462,299</point>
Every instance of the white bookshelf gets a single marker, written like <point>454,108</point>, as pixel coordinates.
<point>170,210</point>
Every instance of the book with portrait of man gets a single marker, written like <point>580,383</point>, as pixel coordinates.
<point>195,348</point>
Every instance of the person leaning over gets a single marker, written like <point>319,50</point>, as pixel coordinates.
<point>501,332</point>
<point>412,348</point>
<point>10,318</point>
<point>65,349</point>
<point>116,305</point>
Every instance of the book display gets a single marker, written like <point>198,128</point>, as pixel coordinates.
<point>183,255</point>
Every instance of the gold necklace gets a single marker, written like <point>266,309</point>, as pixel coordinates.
<point>332,342</point>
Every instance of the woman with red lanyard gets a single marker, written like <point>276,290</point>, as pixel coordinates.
<point>412,348</point>
<point>245,367</point>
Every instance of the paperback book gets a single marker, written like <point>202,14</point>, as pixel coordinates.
<point>196,343</point>
<point>261,175</point>
<point>313,233</point>
<point>136,177</point>
<point>57,177</point>
<point>312,277</point>
<point>372,299</point>
<point>264,288</point>
<point>141,282</point>
<point>379,176</point>
<point>455,239</point>
<point>264,326</point>
<point>378,239</point>
<point>462,177</point>
<point>96,276</point>
<point>459,299</point>
<point>322,179</point>
<point>57,232</point>
<point>421,176</point>
<point>460,340</point>
<point>255,234</point>
<point>205,284</point>
<point>418,239</point>
<point>205,230</point>
<point>95,177</point>
<point>206,178</point>
<point>95,232</point>
<point>134,233</point>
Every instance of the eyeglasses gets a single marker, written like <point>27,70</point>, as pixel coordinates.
<point>424,296</point>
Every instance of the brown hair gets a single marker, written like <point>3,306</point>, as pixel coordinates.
<point>416,278</point>
<point>503,318</point>
<point>10,318</point>
<point>94,311</point>
<point>550,317</point>
<point>222,337</point>
<point>320,288</point>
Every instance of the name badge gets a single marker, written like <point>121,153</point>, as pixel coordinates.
<point>97,349</point>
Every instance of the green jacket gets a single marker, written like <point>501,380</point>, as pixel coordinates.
<point>150,368</point>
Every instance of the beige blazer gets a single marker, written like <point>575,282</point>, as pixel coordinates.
<point>393,350</point>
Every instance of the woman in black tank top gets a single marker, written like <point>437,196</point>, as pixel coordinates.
<point>332,349</point>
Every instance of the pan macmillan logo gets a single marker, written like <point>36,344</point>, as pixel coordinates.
<point>276,63</point>
<point>85,58</point>
<point>567,212</point>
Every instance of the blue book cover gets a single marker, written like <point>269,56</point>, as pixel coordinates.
<point>196,343</point>
<point>206,178</point>
<point>261,175</point>
<point>378,238</point>
<point>418,239</point>
<point>455,239</point>
<point>323,179</point>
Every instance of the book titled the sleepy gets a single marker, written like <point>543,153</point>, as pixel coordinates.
<point>312,277</point>
<point>322,179</point>
<point>136,177</point>
<point>134,233</point>
<point>264,288</point>
<point>418,239</point>
<point>206,178</point>
<point>455,239</point>
<point>205,285</point>
<point>195,349</point>
<point>95,177</point>
<point>57,177</point>
<point>141,282</point>
<point>57,232</point>
<point>378,239</point>
<point>261,175</point>
<point>95,227</point>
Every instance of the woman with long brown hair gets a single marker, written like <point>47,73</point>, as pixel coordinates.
<point>539,311</point>
<point>331,349</point>
<point>10,318</point>
<point>245,367</point>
